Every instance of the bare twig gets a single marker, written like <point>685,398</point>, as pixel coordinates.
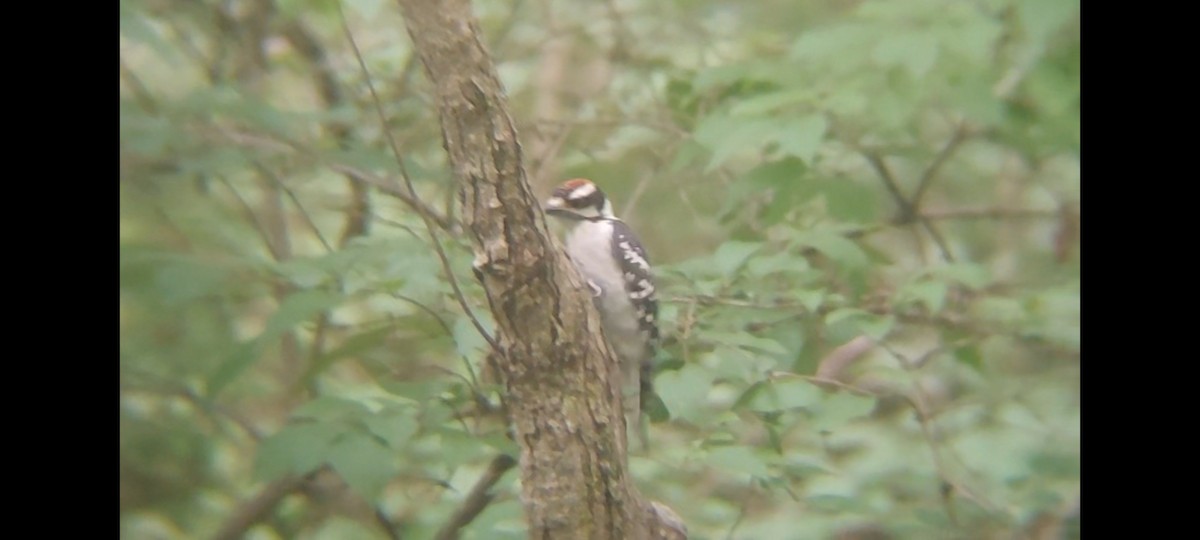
<point>990,213</point>
<point>706,300</point>
<point>257,508</point>
<point>477,499</point>
<point>212,409</point>
<point>833,365</point>
<point>250,215</point>
<point>387,187</point>
<point>474,382</point>
<point>907,213</point>
<point>741,514</point>
<point>938,240</point>
<point>310,48</point>
<point>821,381</point>
<point>429,225</point>
<point>960,135</point>
<point>140,93</point>
<point>386,524</point>
<point>392,189</point>
<point>291,195</point>
<point>921,405</point>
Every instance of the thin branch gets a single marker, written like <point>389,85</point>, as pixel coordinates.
<point>920,402</point>
<point>317,347</point>
<point>542,163</point>
<point>938,239</point>
<point>251,216</point>
<point>310,48</point>
<point>706,300</point>
<point>386,524</point>
<point>990,213</point>
<point>474,382</point>
<point>907,214</point>
<point>385,186</point>
<point>824,382</point>
<point>391,189</point>
<point>741,514</point>
<point>833,366</point>
<point>477,499</point>
<point>308,220</point>
<point>960,134</point>
<point>429,225</point>
<point>140,93</point>
<point>212,409</point>
<point>257,508</point>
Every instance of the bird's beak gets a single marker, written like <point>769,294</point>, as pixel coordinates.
<point>554,205</point>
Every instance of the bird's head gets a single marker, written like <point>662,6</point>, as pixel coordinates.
<point>577,200</point>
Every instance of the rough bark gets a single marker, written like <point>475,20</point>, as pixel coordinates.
<point>560,377</point>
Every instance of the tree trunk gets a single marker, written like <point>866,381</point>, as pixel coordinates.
<point>561,379</point>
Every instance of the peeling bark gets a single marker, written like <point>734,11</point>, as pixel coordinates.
<point>560,377</point>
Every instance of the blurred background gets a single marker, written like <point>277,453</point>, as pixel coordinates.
<point>864,216</point>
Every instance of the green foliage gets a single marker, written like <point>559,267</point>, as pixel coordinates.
<point>803,174</point>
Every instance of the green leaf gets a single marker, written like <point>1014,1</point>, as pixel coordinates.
<point>767,103</point>
<point>352,346</point>
<point>802,137</point>
<point>244,355</point>
<point>970,356</point>
<point>726,135</point>
<point>367,9</point>
<point>655,409</point>
<point>135,27</point>
<point>685,390</point>
<point>732,254</point>
<point>1001,310</point>
<point>831,41</point>
<point>300,7</point>
<point>738,459</point>
<point>749,342</point>
<point>1055,464</point>
<point>777,263</point>
<point>932,294</point>
<point>342,528</point>
<point>862,322</point>
<point>296,449</point>
<point>296,308</point>
<point>1040,18</point>
<point>467,340</point>
<point>299,307</point>
<point>811,299</point>
<point>418,392</point>
<point>186,279</point>
<point>841,250</point>
<point>458,447</point>
<point>916,52</point>
<point>689,152</point>
<point>973,276</point>
<point>840,408</point>
<point>396,427</point>
<point>328,408</point>
<point>781,394</point>
<point>364,463</point>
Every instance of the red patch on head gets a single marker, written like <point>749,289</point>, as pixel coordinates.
<point>572,184</point>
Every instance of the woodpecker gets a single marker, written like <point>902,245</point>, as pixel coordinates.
<point>610,257</point>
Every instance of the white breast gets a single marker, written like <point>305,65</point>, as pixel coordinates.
<point>590,246</point>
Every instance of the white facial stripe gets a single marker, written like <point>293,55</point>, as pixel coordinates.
<point>582,191</point>
<point>554,202</point>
